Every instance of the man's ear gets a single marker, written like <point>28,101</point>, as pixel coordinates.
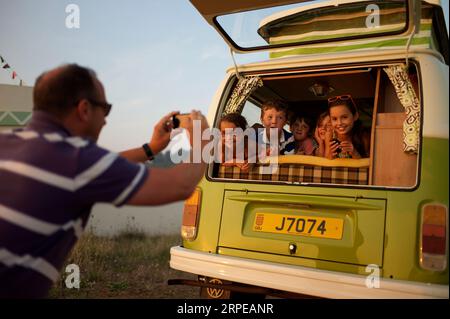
<point>356,116</point>
<point>83,110</point>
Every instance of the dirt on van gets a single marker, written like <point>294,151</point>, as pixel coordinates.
<point>129,265</point>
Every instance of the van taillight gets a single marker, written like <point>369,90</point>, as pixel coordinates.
<point>190,215</point>
<point>434,238</point>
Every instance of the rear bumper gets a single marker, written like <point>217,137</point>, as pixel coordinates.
<point>308,281</point>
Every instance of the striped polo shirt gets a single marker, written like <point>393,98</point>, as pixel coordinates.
<point>286,142</point>
<point>49,182</point>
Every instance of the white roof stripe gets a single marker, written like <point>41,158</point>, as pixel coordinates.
<point>39,264</point>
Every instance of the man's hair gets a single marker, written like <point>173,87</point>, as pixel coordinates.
<point>235,118</point>
<point>272,104</point>
<point>59,93</point>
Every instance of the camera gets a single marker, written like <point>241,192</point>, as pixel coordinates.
<point>180,120</point>
<point>339,149</point>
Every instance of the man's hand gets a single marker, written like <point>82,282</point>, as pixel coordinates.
<point>196,116</point>
<point>161,133</point>
<point>161,136</point>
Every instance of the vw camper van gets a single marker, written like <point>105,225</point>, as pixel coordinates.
<point>303,225</point>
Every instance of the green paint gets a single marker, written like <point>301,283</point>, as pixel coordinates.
<point>424,27</point>
<point>386,236</point>
<point>329,49</point>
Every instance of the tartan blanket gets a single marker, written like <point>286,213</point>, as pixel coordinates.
<point>302,173</point>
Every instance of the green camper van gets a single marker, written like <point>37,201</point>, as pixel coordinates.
<point>296,225</point>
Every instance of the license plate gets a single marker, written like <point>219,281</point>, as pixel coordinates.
<point>322,227</point>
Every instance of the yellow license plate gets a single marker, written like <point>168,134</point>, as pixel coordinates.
<point>322,227</point>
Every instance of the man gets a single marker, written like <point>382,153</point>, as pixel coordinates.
<point>52,173</point>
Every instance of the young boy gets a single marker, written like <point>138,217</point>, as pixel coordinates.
<point>274,116</point>
<point>301,129</point>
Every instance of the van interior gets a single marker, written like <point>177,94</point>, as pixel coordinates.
<point>380,111</point>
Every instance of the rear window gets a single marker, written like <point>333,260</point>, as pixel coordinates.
<point>313,23</point>
<point>384,147</point>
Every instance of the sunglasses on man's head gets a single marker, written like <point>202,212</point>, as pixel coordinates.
<point>106,106</point>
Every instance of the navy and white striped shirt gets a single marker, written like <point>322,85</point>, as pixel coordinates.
<point>49,181</point>
<point>286,142</point>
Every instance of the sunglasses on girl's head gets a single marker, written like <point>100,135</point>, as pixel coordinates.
<point>340,98</point>
<point>344,97</point>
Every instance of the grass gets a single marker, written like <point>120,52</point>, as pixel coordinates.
<point>130,265</point>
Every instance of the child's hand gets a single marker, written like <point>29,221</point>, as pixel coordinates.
<point>334,148</point>
<point>228,164</point>
<point>348,147</point>
<point>328,134</point>
<point>243,166</point>
<point>317,135</point>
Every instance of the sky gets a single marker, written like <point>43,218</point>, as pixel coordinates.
<point>153,56</point>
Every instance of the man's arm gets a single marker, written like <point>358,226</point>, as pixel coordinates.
<point>167,185</point>
<point>164,186</point>
<point>160,139</point>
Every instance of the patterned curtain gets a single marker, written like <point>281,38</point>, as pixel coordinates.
<point>407,96</point>
<point>244,87</point>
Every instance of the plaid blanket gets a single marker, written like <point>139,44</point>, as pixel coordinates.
<point>296,172</point>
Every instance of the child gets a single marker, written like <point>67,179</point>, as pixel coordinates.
<point>300,128</point>
<point>274,116</point>
<point>234,145</point>
<point>351,140</point>
<point>323,134</point>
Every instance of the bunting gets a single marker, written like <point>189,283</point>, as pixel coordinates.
<point>4,65</point>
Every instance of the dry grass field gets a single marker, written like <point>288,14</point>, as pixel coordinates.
<point>130,265</point>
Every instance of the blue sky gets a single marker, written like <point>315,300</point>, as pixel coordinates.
<point>153,56</point>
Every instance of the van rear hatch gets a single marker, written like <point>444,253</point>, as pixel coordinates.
<point>338,229</point>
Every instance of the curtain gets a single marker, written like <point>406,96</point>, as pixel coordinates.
<point>244,87</point>
<point>407,96</point>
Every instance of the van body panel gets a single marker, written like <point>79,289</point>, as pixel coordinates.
<point>401,254</point>
<point>381,224</point>
<point>362,234</point>
<point>434,82</point>
<point>297,279</point>
<point>209,218</point>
